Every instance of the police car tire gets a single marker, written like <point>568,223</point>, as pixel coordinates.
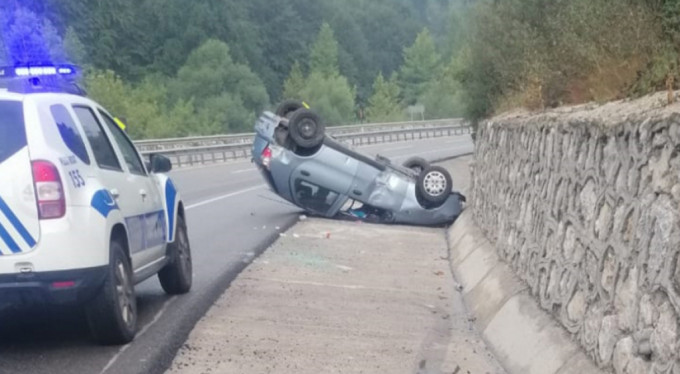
<point>306,129</point>
<point>176,277</point>
<point>417,164</point>
<point>105,313</point>
<point>287,108</point>
<point>434,177</point>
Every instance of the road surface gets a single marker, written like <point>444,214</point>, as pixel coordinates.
<point>232,219</point>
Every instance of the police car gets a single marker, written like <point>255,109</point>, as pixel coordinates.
<point>82,217</point>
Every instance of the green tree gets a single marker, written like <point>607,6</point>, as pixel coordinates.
<point>324,53</point>
<point>328,92</point>
<point>443,96</point>
<point>294,84</point>
<point>421,66</point>
<point>211,77</point>
<point>108,89</point>
<point>331,97</point>
<point>384,105</point>
<point>74,48</point>
<point>29,38</point>
<point>143,106</point>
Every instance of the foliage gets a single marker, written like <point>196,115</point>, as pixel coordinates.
<point>328,92</point>
<point>324,55</point>
<point>421,66</point>
<point>541,53</point>
<point>295,83</point>
<point>384,105</point>
<point>143,106</point>
<point>331,97</point>
<point>227,95</point>
<point>443,97</point>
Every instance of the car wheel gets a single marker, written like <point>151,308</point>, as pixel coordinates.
<point>177,276</point>
<point>434,186</point>
<point>287,108</point>
<point>306,128</point>
<point>112,314</point>
<point>417,164</point>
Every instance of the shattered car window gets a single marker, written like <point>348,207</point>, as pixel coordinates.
<point>313,197</point>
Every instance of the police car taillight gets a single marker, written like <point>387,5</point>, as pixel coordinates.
<point>48,190</point>
<point>267,157</point>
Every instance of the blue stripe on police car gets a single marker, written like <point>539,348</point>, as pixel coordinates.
<point>21,229</point>
<point>103,202</point>
<point>170,195</point>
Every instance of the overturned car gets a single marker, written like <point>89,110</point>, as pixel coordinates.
<point>324,177</point>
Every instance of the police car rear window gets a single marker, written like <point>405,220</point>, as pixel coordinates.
<point>12,131</point>
<point>69,132</point>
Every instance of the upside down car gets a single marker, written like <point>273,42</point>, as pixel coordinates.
<point>310,169</point>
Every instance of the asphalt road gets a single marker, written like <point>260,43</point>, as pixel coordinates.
<point>232,219</point>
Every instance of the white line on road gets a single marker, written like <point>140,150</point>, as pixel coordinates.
<point>141,332</point>
<point>397,148</point>
<point>243,171</point>
<point>210,201</point>
<point>458,141</point>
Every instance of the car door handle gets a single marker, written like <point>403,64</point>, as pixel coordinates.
<point>143,193</point>
<point>305,173</point>
<point>115,193</point>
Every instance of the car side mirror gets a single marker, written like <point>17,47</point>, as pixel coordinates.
<point>160,164</point>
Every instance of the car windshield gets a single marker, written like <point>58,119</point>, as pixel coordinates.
<point>12,132</point>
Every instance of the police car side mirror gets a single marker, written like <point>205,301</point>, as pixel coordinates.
<point>160,164</point>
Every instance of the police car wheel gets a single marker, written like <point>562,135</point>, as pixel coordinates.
<point>306,129</point>
<point>176,277</point>
<point>112,314</point>
<point>434,186</point>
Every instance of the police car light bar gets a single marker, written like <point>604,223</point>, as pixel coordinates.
<point>36,71</point>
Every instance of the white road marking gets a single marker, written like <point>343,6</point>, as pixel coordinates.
<point>215,165</point>
<point>397,148</point>
<point>243,171</point>
<point>141,332</point>
<point>457,141</point>
<point>210,201</point>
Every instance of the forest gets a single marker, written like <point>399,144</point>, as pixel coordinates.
<point>178,68</point>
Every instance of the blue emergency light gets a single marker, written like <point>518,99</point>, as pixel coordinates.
<point>36,71</point>
<point>35,78</point>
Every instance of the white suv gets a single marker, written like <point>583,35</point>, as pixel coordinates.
<point>82,218</point>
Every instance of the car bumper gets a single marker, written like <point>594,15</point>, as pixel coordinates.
<point>59,287</point>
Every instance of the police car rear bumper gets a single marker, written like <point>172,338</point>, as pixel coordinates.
<point>58,287</point>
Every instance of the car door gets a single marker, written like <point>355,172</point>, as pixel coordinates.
<point>123,186</point>
<point>152,218</point>
<point>321,183</point>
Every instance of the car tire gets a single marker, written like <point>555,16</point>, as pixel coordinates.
<point>417,164</point>
<point>306,129</point>
<point>112,314</point>
<point>177,276</point>
<point>288,107</point>
<point>434,186</point>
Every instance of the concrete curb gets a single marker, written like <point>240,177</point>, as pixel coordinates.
<point>524,337</point>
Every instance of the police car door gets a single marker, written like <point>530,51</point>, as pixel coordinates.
<point>121,184</point>
<point>152,220</point>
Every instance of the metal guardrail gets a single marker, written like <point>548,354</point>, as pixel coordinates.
<point>335,131</point>
<point>210,154</point>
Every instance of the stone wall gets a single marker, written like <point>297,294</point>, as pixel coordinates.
<point>586,211</point>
